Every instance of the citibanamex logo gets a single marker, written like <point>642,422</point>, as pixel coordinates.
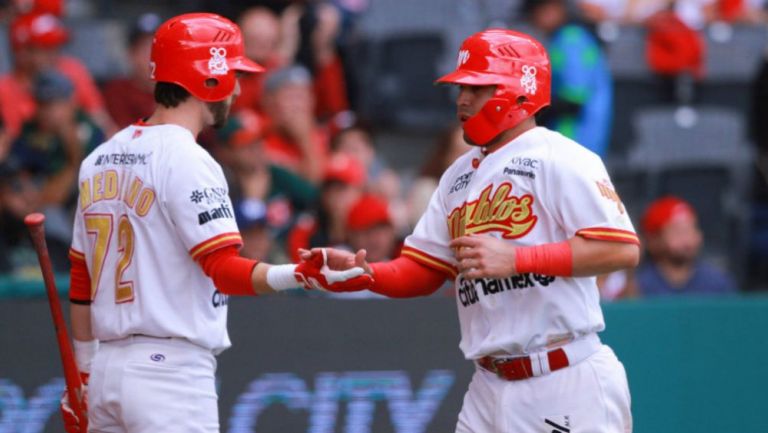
<point>528,80</point>
<point>217,64</point>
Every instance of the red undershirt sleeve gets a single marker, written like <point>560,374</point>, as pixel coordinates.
<point>405,278</point>
<point>79,279</point>
<point>231,274</point>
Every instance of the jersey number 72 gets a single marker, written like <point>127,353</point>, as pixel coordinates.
<point>101,225</point>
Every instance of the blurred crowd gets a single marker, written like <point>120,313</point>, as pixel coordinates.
<point>303,165</point>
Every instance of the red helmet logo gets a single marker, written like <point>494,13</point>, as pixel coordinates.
<point>200,52</point>
<point>517,65</point>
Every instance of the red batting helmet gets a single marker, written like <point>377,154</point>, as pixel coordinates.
<point>517,65</point>
<point>200,52</point>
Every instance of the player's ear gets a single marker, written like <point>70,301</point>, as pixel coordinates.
<point>521,100</point>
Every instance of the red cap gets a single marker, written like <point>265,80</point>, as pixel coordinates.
<point>37,29</point>
<point>662,211</point>
<point>344,168</point>
<point>673,47</point>
<point>367,212</point>
<point>243,128</point>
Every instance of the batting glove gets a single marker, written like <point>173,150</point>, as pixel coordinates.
<point>72,422</point>
<point>315,274</point>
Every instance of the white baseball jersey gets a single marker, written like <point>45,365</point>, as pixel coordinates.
<point>541,187</point>
<point>151,202</point>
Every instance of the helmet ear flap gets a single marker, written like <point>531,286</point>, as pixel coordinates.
<point>496,109</point>
<point>484,126</point>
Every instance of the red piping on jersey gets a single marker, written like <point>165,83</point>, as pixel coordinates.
<point>430,261</point>
<point>406,278</point>
<point>609,234</point>
<point>214,243</point>
<point>231,274</point>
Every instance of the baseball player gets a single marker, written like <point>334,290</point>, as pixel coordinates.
<point>155,247</point>
<point>523,222</point>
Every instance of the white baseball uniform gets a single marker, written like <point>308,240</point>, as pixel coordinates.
<point>540,188</point>
<point>151,202</point>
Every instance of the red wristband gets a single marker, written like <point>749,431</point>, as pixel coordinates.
<point>555,259</point>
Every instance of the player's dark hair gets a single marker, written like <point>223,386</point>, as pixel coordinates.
<point>170,95</point>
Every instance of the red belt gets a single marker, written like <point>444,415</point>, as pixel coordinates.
<point>520,368</point>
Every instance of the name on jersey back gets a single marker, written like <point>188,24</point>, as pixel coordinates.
<point>111,185</point>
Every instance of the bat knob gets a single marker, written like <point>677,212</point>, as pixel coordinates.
<point>34,219</point>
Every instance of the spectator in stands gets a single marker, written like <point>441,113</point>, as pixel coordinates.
<point>5,141</point>
<point>638,12</point>
<point>675,53</point>
<point>36,40</point>
<point>449,145</point>
<point>51,145</point>
<point>20,195</point>
<point>736,11</point>
<point>582,90</point>
<point>673,242</point>
<point>258,241</point>
<point>132,98</point>
<point>260,191</point>
<point>343,184</point>
<point>303,34</point>
<point>356,140</point>
<point>312,28</point>
<point>55,7</point>
<point>264,45</point>
<point>370,227</point>
<point>294,139</point>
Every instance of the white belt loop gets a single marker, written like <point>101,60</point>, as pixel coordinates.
<point>542,359</point>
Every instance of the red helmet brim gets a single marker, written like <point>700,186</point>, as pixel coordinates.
<point>470,78</point>
<point>245,64</point>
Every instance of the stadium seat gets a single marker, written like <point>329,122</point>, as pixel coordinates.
<point>626,53</point>
<point>397,89</point>
<point>632,187</point>
<point>734,54</point>
<point>634,85</point>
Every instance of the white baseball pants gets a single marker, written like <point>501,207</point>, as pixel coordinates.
<point>591,396</point>
<point>144,384</point>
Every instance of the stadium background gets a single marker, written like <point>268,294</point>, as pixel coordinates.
<point>693,364</point>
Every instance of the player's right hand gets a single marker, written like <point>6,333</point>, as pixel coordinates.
<point>332,270</point>
<point>72,422</point>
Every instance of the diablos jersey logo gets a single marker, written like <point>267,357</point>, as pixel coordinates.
<point>501,211</point>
